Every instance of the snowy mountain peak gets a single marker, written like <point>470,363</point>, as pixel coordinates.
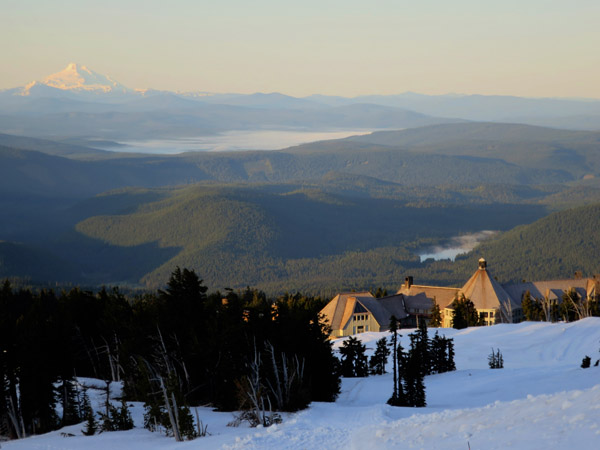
<point>76,77</point>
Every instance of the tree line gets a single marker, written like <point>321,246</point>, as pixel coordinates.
<point>571,307</point>
<point>171,348</point>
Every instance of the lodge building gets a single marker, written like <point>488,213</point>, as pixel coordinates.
<point>358,312</point>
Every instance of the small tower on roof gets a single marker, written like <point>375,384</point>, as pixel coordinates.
<point>482,264</point>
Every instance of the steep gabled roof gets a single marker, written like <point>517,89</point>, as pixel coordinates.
<point>340,309</point>
<point>485,292</point>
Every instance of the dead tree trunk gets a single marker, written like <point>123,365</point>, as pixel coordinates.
<point>171,409</point>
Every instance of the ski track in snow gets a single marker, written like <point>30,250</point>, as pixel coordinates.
<point>542,399</point>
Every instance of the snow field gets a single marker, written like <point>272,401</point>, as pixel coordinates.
<point>542,399</point>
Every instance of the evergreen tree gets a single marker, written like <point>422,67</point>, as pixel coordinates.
<point>532,310</point>
<point>464,313</point>
<point>91,425</point>
<point>422,349</point>
<point>121,418</point>
<point>415,370</point>
<point>379,359</point>
<point>68,400</point>
<point>450,365</point>
<point>186,423</point>
<point>419,399</point>
<point>435,319</point>
<point>202,345</point>
<point>394,399</point>
<point>402,362</point>
<point>354,360</point>
<point>438,350</point>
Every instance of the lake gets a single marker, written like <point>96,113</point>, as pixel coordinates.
<point>232,141</point>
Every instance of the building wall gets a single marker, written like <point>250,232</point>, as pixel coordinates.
<point>490,316</point>
<point>364,320</point>
<point>447,318</point>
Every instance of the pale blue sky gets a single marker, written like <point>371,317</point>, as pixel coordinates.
<point>338,47</point>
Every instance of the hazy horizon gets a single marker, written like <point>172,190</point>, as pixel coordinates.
<point>347,48</point>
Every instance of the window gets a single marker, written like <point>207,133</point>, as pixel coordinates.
<point>367,328</point>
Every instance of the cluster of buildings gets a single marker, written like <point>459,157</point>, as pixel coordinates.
<point>357,312</point>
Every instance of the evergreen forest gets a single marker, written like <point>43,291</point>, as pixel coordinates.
<point>170,348</point>
<point>323,217</point>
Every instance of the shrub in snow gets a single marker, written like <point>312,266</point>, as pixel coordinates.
<point>586,362</point>
<point>495,360</point>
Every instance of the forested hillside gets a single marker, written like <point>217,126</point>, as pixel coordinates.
<point>551,248</point>
<point>326,216</point>
<point>522,145</point>
<point>277,236</point>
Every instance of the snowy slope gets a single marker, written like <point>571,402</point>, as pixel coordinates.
<point>542,399</point>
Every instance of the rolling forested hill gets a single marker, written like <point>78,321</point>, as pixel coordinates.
<point>343,214</point>
<point>551,248</point>
<point>286,238</point>
<point>268,234</point>
<point>522,145</point>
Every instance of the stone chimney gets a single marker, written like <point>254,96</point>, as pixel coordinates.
<point>408,282</point>
<point>482,264</point>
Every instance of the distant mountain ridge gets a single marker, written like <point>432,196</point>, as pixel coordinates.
<point>78,89</point>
